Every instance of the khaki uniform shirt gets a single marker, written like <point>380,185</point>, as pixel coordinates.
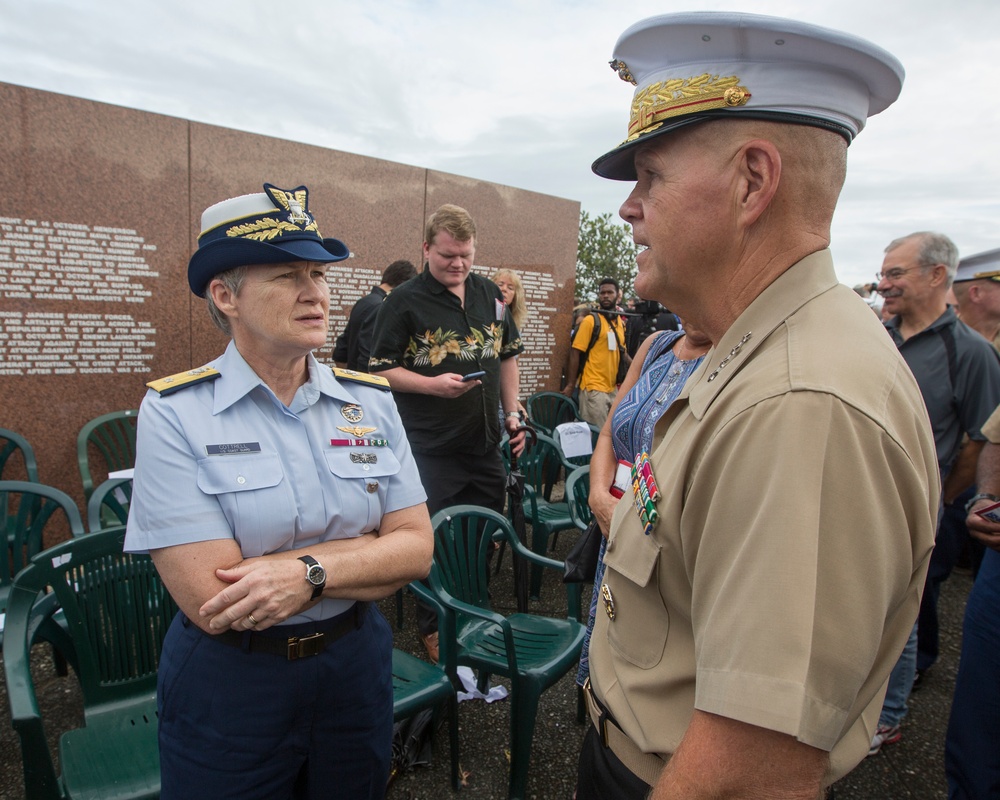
<point>991,428</point>
<point>799,497</point>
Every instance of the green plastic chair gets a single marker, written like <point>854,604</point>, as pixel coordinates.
<point>533,651</point>
<point>573,463</point>
<point>27,511</point>
<point>541,463</point>
<point>117,612</point>
<point>417,684</point>
<point>112,438</point>
<point>578,497</point>
<point>109,503</point>
<point>548,409</point>
<point>12,443</point>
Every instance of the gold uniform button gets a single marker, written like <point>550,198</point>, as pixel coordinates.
<point>609,601</point>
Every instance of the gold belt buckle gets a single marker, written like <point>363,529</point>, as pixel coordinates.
<point>302,646</point>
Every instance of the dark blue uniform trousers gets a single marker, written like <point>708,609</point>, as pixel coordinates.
<point>236,724</point>
<point>972,746</point>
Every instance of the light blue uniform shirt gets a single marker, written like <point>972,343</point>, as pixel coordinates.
<point>225,459</point>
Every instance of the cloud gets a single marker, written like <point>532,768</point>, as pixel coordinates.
<point>519,92</point>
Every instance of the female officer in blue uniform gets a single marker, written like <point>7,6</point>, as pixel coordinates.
<point>276,497</point>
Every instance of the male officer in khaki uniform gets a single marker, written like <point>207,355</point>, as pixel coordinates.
<point>977,294</point>
<point>762,584</point>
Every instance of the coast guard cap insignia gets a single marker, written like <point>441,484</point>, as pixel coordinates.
<point>352,412</point>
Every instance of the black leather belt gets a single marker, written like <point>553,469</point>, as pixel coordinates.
<point>277,642</point>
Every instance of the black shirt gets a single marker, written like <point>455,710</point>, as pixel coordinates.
<point>355,343</point>
<point>958,373</point>
<point>423,327</point>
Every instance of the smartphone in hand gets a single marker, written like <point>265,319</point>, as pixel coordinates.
<point>473,376</point>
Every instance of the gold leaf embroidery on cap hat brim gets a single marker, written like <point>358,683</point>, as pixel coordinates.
<point>680,96</point>
<point>265,229</point>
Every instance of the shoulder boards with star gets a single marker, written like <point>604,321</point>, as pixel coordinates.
<point>361,377</point>
<point>174,383</point>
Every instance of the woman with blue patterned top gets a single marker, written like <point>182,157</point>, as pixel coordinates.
<point>661,367</point>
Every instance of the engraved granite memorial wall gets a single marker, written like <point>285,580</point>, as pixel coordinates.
<point>100,213</point>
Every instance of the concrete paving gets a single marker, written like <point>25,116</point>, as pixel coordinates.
<point>910,770</point>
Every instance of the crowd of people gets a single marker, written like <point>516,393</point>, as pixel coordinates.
<point>778,508</point>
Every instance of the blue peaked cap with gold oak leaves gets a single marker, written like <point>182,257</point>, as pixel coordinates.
<point>697,66</point>
<point>272,227</point>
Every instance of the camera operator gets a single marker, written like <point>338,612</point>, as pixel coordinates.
<point>648,318</point>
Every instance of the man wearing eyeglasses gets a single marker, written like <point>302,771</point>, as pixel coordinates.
<point>958,373</point>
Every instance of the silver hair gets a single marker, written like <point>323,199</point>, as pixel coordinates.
<point>232,279</point>
<point>935,248</point>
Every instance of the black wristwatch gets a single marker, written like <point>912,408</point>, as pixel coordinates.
<point>315,574</point>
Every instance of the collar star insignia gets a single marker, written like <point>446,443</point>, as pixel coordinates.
<point>357,431</point>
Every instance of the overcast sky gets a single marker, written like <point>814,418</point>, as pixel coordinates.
<point>520,93</point>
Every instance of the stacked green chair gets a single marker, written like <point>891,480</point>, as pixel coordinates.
<point>417,685</point>
<point>578,496</point>
<point>533,651</point>
<point>109,503</point>
<point>541,464</point>
<point>111,437</point>
<point>11,445</point>
<point>548,409</point>
<point>30,513</point>
<point>572,463</point>
<point>17,461</point>
<point>117,612</point>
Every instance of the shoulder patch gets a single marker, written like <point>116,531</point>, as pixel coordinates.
<point>174,383</point>
<point>361,377</point>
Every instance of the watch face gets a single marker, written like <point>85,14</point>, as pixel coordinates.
<point>316,575</point>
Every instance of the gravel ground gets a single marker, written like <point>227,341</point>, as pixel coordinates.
<point>910,770</point>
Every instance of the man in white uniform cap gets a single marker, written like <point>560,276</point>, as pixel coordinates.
<point>977,290</point>
<point>751,621</point>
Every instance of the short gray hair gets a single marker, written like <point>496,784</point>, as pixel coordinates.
<point>935,248</point>
<point>232,279</point>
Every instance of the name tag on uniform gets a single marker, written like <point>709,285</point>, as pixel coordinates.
<point>232,449</point>
<point>612,341</point>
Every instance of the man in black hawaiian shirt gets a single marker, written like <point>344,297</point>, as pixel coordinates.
<point>445,324</point>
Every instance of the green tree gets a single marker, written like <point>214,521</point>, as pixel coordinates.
<point>605,250</point>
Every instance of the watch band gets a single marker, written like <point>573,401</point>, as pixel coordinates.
<point>312,563</point>
<point>980,496</point>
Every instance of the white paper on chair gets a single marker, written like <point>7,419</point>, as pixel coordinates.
<point>121,473</point>
<point>575,439</point>
<point>468,679</point>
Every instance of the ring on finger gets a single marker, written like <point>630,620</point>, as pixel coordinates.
<point>251,619</point>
